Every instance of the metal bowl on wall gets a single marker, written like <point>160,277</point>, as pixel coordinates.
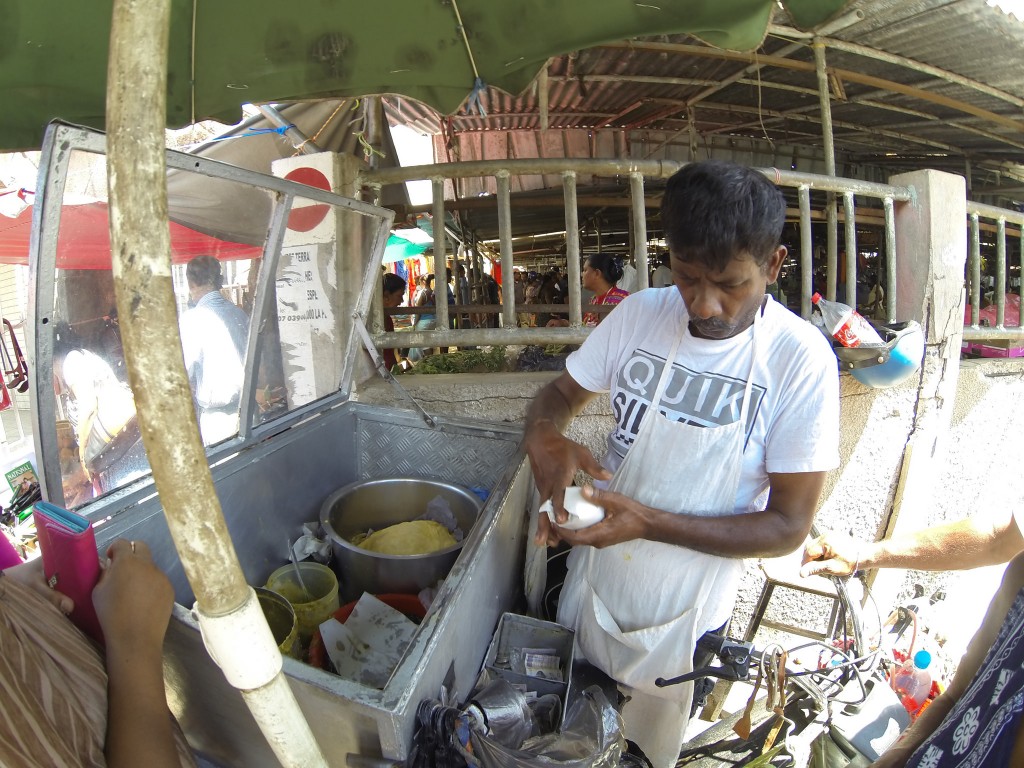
<point>377,504</point>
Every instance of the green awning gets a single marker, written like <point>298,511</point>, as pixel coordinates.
<point>53,54</point>
<point>400,249</point>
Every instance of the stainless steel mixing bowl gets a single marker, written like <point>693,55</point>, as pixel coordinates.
<point>376,504</point>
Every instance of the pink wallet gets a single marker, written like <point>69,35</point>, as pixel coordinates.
<point>70,561</point>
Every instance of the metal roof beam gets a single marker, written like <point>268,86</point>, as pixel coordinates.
<point>795,115</point>
<point>903,61</point>
<point>808,67</point>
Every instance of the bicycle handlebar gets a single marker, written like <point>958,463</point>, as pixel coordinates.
<point>736,657</point>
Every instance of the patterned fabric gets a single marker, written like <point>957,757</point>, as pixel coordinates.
<point>53,686</point>
<point>981,730</point>
<point>612,296</point>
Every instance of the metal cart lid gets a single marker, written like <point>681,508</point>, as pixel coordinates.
<point>303,262</point>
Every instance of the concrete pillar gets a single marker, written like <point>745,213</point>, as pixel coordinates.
<point>931,253</point>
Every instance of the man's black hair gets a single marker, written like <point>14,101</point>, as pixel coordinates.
<point>204,270</point>
<point>393,283</point>
<point>713,211</point>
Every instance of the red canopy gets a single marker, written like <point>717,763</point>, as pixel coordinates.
<point>84,240</point>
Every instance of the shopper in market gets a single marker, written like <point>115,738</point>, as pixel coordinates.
<point>66,703</point>
<point>600,274</point>
<point>101,415</point>
<point>213,337</point>
<point>393,291</point>
<point>423,297</point>
<point>662,276</point>
<point>719,456</point>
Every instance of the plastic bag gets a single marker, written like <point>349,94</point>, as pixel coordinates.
<point>591,737</point>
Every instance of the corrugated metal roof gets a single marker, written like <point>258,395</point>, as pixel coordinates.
<point>666,96</point>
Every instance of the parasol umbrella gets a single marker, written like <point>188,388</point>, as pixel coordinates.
<point>442,52</point>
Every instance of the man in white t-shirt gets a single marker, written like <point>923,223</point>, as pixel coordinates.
<point>729,465</point>
<point>662,277</point>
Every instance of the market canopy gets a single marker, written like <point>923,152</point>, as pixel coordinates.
<point>53,61</point>
<point>84,240</point>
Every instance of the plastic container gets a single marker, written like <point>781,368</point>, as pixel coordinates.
<point>313,608</point>
<point>844,324</point>
<point>281,619</point>
<point>913,682</point>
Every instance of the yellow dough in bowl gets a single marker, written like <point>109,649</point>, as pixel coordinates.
<point>417,537</point>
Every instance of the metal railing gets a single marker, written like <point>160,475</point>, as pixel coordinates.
<point>638,172</point>
<point>975,331</point>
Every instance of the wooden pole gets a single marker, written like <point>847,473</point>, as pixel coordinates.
<point>233,624</point>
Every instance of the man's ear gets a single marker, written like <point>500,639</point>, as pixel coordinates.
<point>774,264</point>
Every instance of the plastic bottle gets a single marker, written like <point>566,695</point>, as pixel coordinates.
<point>913,682</point>
<point>845,324</point>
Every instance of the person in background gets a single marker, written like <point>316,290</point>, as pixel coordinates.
<point>424,297</point>
<point>662,277</point>
<point>66,703</point>
<point>519,291</point>
<point>214,333</point>
<point>393,293</point>
<point>600,275</point>
<point>419,290</point>
<point>492,296</point>
<point>728,420</point>
<point>464,297</point>
<point>530,295</point>
<point>101,416</point>
<point>547,293</point>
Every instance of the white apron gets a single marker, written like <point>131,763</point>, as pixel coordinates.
<point>639,607</point>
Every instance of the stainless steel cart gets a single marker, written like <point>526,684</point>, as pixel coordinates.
<point>300,436</point>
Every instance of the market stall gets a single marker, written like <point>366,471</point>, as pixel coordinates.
<point>288,455</point>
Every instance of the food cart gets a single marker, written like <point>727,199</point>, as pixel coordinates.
<point>297,255</point>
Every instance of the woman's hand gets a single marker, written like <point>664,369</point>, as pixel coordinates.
<point>133,601</point>
<point>133,598</point>
<point>30,574</point>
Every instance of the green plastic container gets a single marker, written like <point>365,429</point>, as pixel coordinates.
<point>311,609</point>
<point>281,618</point>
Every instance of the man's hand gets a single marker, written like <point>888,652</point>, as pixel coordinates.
<point>832,554</point>
<point>624,520</point>
<point>554,458</point>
